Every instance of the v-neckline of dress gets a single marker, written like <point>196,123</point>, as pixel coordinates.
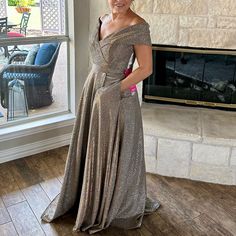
<point>116,31</point>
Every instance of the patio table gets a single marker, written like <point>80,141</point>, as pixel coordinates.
<point>11,24</point>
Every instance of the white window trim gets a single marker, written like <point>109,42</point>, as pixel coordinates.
<point>38,126</point>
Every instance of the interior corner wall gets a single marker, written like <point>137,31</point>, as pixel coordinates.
<point>97,8</point>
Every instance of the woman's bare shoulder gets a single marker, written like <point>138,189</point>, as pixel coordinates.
<point>137,19</point>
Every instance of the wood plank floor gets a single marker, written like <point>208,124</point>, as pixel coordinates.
<point>187,207</point>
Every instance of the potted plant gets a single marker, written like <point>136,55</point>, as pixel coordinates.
<point>24,5</point>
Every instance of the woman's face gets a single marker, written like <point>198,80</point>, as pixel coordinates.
<point>119,6</point>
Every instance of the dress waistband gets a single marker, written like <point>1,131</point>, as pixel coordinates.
<point>109,78</point>
<point>99,68</point>
<point>116,76</point>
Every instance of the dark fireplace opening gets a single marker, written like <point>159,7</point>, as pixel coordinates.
<point>192,76</point>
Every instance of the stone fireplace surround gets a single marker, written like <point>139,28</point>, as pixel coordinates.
<point>187,142</point>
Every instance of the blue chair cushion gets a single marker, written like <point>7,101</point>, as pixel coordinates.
<point>45,53</point>
<point>30,58</point>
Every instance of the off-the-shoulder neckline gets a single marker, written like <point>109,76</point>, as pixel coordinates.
<point>116,31</point>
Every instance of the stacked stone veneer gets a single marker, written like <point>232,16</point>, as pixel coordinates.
<point>189,159</point>
<point>197,23</point>
<point>194,143</point>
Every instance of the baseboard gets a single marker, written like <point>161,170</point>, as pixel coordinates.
<point>34,148</point>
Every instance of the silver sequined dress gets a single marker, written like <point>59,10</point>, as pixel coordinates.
<point>104,180</point>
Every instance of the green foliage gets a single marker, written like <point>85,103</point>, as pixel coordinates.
<point>12,2</point>
<point>22,3</point>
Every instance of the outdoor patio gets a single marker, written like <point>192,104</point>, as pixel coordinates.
<point>36,28</point>
<point>59,88</point>
<point>46,17</point>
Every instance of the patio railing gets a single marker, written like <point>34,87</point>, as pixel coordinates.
<point>3,8</point>
<point>53,15</point>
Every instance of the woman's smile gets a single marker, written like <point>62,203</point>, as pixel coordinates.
<point>119,5</point>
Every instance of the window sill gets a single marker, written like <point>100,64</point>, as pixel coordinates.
<point>38,126</point>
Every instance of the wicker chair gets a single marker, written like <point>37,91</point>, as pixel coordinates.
<point>37,78</point>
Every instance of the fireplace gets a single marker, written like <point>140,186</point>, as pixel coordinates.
<point>192,76</point>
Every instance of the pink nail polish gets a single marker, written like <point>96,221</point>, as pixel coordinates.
<point>133,89</point>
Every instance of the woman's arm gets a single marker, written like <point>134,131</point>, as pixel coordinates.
<point>144,57</point>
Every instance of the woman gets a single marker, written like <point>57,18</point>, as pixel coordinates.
<point>104,181</point>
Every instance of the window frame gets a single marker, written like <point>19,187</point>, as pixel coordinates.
<point>51,121</point>
<point>70,113</point>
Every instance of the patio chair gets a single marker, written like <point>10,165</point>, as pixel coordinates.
<point>37,78</point>
<point>22,30</point>
<point>3,33</point>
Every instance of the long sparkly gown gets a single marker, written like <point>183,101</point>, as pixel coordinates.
<point>104,180</point>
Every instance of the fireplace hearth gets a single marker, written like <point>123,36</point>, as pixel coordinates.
<point>192,76</point>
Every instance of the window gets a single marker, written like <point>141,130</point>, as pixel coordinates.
<point>34,52</point>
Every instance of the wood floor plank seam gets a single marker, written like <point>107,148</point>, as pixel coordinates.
<point>11,219</point>
<point>34,214</point>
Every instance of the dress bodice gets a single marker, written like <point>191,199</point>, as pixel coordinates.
<point>116,51</point>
